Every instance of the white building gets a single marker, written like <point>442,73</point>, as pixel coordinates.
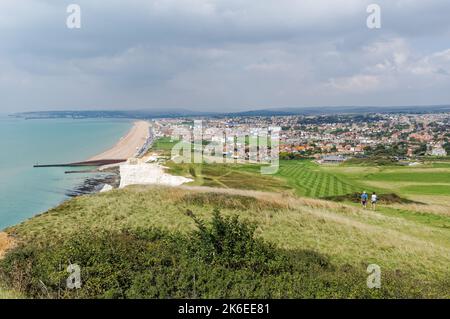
<point>438,151</point>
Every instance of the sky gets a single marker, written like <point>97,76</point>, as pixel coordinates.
<point>222,55</point>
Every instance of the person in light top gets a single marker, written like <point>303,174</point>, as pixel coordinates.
<point>373,200</point>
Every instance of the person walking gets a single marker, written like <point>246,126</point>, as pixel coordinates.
<point>374,200</point>
<point>364,198</point>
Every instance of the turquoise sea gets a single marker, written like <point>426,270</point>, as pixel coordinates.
<point>26,191</point>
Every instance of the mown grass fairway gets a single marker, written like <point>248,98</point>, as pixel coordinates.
<point>409,182</point>
<point>309,179</point>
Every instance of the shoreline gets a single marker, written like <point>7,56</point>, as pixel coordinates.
<point>128,145</point>
<point>125,148</point>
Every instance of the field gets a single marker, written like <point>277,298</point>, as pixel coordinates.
<point>306,178</point>
<point>303,178</point>
<point>423,191</point>
<point>228,176</point>
<point>163,145</point>
<point>309,179</point>
<point>410,182</point>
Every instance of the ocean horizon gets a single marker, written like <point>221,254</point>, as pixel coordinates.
<point>26,191</point>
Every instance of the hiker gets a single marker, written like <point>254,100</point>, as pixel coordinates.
<point>364,198</point>
<point>374,200</point>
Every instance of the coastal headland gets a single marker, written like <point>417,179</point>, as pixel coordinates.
<point>309,213</point>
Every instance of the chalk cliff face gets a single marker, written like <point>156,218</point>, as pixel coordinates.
<point>144,174</point>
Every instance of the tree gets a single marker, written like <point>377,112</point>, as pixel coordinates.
<point>446,147</point>
<point>421,150</point>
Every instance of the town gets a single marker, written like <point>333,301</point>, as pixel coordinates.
<point>334,138</point>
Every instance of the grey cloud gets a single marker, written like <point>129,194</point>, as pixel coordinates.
<point>215,54</point>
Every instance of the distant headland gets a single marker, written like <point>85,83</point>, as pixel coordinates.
<point>176,112</point>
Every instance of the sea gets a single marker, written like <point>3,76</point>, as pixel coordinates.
<point>26,191</point>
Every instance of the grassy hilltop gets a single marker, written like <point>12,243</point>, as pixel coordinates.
<point>328,247</point>
<point>233,232</point>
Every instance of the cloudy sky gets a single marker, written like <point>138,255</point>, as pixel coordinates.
<point>222,54</point>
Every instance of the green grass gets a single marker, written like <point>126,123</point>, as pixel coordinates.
<point>426,190</point>
<point>306,178</point>
<point>440,164</point>
<point>428,179</point>
<point>411,175</point>
<point>405,245</point>
<point>238,176</point>
<point>434,220</point>
<point>410,242</point>
<point>9,294</point>
<point>220,259</point>
<point>163,145</point>
<point>309,179</point>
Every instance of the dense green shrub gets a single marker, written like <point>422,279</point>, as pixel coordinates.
<point>231,243</point>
